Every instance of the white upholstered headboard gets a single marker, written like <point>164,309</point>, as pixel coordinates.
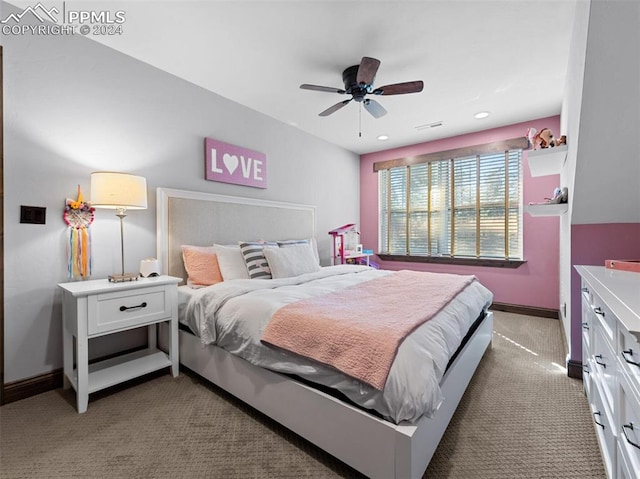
<point>202,219</point>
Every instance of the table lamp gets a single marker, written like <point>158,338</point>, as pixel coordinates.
<point>122,192</point>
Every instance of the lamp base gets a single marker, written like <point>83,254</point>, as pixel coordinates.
<point>121,278</point>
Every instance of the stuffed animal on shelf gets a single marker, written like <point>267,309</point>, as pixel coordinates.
<point>560,195</point>
<point>544,138</point>
<point>561,141</point>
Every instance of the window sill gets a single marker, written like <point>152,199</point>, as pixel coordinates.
<point>495,263</point>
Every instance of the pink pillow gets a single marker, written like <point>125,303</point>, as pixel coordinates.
<point>201,263</point>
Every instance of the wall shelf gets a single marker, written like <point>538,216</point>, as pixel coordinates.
<point>547,161</point>
<point>547,210</point>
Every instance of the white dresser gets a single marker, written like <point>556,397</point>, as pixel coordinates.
<point>611,364</point>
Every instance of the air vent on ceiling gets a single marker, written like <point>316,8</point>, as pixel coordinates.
<point>427,126</point>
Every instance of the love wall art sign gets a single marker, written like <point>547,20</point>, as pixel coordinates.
<point>233,164</point>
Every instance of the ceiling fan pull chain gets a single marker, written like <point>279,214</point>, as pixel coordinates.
<point>360,121</point>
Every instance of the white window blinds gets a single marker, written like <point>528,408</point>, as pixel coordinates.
<point>467,207</point>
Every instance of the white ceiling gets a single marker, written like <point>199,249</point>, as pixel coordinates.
<point>508,57</point>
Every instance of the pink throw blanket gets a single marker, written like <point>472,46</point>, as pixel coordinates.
<point>358,330</point>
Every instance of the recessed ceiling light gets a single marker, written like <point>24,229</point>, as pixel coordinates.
<point>481,114</point>
<point>383,137</point>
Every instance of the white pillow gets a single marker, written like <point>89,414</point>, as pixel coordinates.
<point>311,242</point>
<point>231,262</point>
<point>288,262</point>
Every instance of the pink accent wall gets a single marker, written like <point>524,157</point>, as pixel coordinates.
<point>593,244</point>
<point>535,283</point>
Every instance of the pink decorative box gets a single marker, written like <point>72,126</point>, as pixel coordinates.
<point>623,264</point>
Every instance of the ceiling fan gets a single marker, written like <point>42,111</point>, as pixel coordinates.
<point>358,82</point>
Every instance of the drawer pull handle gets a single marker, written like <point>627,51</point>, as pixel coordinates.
<point>597,413</point>
<point>127,308</point>
<point>585,326</point>
<point>585,290</point>
<point>599,311</point>
<point>585,368</point>
<point>630,353</point>
<point>599,356</point>
<point>629,426</point>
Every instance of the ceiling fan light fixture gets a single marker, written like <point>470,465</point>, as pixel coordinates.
<point>481,114</point>
<point>358,83</point>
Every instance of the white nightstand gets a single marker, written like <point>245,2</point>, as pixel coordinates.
<point>97,308</point>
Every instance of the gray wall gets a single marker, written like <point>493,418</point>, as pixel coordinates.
<point>73,106</point>
<point>601,118</point>
<point>607,168</point>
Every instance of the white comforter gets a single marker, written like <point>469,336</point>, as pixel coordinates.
<point>233,315</point>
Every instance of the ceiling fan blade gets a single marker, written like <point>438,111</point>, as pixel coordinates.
<point>400,88</point>
<point>328,89</point>
<point>375,108</point>
<point>334,108</point>
<point>367,70</point>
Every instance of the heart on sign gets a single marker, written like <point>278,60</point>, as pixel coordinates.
<point>230,162</point>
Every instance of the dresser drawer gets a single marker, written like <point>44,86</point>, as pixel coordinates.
<point>604,316</point>
<point>624,470</point>
<point>606,438</point>
<point>123,310</point>
<point>586,290</point>
<point>587,320</point>
<point>603,367</point>
<point>629,425</point>
<point>629,356</point>
<point>586,369</point>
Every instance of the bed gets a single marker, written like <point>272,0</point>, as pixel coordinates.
<point>378,444</point>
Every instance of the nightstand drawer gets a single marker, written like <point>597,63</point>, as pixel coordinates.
<point>126,309</point>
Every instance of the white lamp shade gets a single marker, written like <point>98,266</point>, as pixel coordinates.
<point>118,190</point>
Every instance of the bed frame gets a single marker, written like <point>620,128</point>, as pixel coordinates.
<point>377,448</point>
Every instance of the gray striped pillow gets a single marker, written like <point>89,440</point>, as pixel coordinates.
<point>257,265</point>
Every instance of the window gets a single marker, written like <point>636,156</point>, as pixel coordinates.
<point>463,207</point>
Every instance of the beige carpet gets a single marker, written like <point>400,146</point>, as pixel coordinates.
<point>521,417</point>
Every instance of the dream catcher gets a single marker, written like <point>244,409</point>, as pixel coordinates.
<point>78,215</point>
